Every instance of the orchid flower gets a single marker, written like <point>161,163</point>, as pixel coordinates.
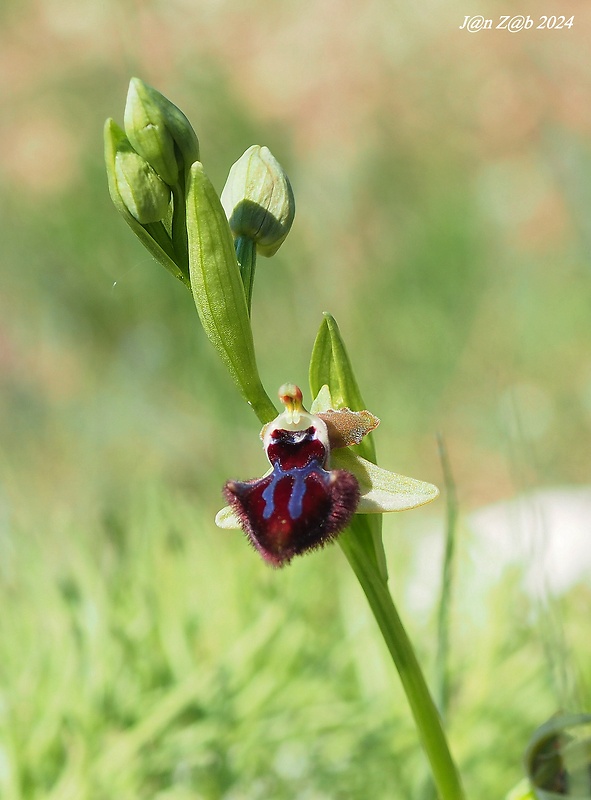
<point>316,482</point>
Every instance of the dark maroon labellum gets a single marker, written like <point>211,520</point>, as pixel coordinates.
<point>300,505</point>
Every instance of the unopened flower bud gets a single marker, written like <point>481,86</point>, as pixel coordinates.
<point>146,196</point>
<point>258,200</point>
<point>159,131</point>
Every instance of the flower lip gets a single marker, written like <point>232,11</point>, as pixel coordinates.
<point>301,504</point>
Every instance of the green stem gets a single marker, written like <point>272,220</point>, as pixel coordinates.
<point>426,716</point>
<point>246,254</point>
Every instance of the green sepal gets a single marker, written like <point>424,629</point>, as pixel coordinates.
<point>153,235</point>
<point>323,400</point>
<point>330,365</point>
<point>159,131</point>
<point>383,491</point>
<point>218,290</point>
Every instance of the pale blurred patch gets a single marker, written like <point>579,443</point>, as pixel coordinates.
<point>39,154</point>
<point>75,18</point>
<point>526,411</point>
<point>547,533</point>
<point>543,536</point>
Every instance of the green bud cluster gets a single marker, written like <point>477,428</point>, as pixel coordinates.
<point>158,185</point>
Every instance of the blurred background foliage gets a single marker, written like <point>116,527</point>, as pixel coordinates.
<point>442,182</point>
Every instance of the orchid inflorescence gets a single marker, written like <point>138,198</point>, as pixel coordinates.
<point>210,243</point>
<point>323,483</point>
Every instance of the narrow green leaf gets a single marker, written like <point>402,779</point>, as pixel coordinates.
<point>330,364</point>
<point>443,679</point>
<point>218,290</point>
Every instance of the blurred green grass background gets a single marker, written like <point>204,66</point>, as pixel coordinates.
<point>442,184</point>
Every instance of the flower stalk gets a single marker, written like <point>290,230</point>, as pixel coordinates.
<point>429,726</point>
<point>246,254</point>
<point>362,545</point>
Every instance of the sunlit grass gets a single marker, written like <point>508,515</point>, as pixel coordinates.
<point>149,654</point>
<point>146,654</point>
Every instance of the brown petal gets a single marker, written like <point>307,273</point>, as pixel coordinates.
<point>346,427</point>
